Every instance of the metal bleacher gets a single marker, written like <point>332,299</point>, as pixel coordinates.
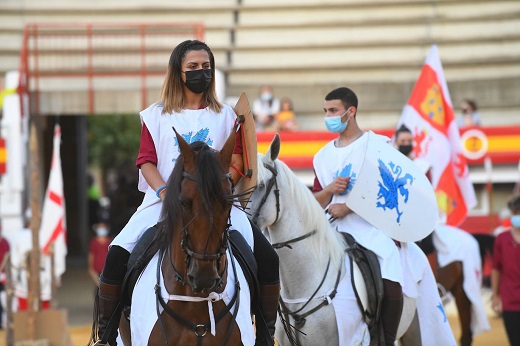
<point>304,48</point>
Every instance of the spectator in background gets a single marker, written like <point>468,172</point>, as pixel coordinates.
<point>286,118</point>
<point>98,251</point>
<point>505,276</point>
<point>470,116</point>
<point>4,249</point>
<point>504,215</point>
<point>265,109</point>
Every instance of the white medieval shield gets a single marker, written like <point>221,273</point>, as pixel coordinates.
<point>393,194</point>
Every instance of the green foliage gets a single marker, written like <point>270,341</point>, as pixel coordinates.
<point>113,141</point>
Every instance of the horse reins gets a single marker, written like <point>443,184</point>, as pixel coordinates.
<point>200,330</point>
<point>186,246</point>
<point>272,182</point>
<point>283,309</point>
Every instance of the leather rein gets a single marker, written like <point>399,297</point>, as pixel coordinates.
<point>200,330</point>
<point>298,317</point>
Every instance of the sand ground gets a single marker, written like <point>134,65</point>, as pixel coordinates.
<point>77,292</point>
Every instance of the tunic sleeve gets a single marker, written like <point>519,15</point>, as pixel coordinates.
<point>147,151</point>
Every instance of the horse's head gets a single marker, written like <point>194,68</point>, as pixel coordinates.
<point>265,201</point>
<point>196,211</point>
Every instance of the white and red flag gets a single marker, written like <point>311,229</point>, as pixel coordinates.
<point>52,229</point>
<point>429,115</point>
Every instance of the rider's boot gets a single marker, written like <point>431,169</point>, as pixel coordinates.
<point>108,297</point>
<point>392,308</point>
<point>269,297</point>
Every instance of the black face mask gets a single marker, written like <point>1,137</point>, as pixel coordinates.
<point>198,81</point>
<point>405,149</point>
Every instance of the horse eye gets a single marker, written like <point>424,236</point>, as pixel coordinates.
<point>261,185</point>
<point>185,203</point>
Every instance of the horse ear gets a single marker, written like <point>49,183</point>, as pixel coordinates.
<point>188,154</point>
<point>274,149</point>
<point>227,150</point>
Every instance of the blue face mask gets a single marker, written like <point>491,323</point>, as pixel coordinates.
<point>334,123</point>
<point>515,221</point>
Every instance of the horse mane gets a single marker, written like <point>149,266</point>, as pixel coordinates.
<point>209,173</point>
<point>327,239</point>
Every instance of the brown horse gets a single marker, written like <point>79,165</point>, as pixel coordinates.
<point>193,259</point>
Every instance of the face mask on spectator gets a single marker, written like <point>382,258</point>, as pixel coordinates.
<point>266,96</point>
<point>515,221</point>
<point>102,232</point>
<point>405,149</point>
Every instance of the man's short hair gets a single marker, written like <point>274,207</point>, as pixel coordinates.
<point>514,204</point>
<point>347,97</point>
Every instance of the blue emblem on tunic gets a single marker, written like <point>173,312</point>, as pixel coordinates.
<point>201,135</point>
<point>392,184</point>
<point>347,173</point>
<point>443,312</point>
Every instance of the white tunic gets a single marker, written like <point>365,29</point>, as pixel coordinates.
<point>194,125</point>
<point>331,162</point>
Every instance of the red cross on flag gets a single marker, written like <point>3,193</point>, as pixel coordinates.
<point>429,115</point>
<point>52,228</point>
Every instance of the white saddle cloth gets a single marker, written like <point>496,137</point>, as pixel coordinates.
<point>144,315</point>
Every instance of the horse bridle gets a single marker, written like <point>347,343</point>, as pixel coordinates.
<point>272,182</point>
<point>200,330</point>
<point>190,253</point>
<point>283,309</point>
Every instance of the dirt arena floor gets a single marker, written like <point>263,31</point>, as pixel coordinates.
<point>77,292</point>
<point>496,336</point>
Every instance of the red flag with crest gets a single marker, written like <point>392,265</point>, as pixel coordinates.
<point>429,115</point>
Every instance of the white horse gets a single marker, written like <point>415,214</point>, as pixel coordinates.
<point>312,260</point>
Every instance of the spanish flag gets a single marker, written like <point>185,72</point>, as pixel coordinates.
<point>429,115</point>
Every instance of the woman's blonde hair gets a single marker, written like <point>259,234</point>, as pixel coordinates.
<point>172,93</point>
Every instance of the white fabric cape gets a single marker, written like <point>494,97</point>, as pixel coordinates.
<point>453,244</point>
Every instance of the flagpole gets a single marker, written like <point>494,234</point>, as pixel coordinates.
<point>33,298</point>
<point>488,166</point>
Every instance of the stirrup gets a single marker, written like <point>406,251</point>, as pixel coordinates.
<point>445,295</point>
<point>99,343</point>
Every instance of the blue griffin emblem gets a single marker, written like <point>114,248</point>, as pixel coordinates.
<point>201,135</point>
<point>346,172</point>
<point>443,312</point>
<point>391,186</point>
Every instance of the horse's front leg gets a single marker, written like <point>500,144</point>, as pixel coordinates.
<point>124,330</point>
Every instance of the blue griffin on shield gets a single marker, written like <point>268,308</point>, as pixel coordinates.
<point>391,185</point>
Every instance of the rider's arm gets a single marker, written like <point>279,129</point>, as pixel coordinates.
<point>324,196</point>
<point>237,165</point>
<point>152,176</point>
<point>237,162</point>
<point>147,161</point>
